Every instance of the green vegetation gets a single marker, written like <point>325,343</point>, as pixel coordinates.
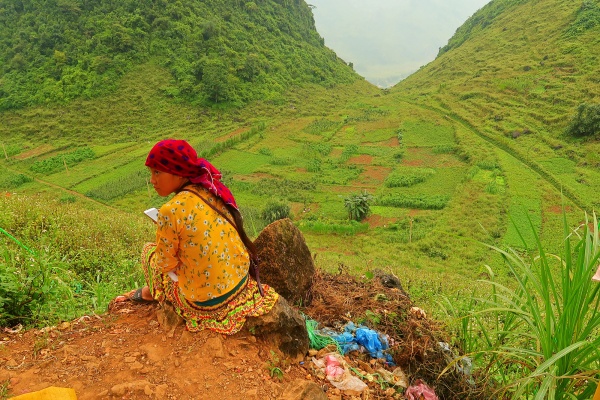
<point>411,179</point>
<point>60,268</point>
<point>358,205</point>
<point>539,339</point>
<point>423,202</point>
<point>473,148</point>
<point>56,163</point>
<point>215,52</point>
<point>275,210</point>
<point>586,122</point>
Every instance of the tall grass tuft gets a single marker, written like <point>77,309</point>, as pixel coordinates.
<point>540,338</point>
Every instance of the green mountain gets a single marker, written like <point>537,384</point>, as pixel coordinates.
<point>215,51</point>
<point>516,72</point>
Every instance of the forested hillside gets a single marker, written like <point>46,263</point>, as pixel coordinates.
<point>52,51</point>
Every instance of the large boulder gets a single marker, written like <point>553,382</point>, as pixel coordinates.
<point>285,261</point>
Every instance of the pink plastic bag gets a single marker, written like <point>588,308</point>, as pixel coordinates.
<point>333,368</point>
<point>420,391</point>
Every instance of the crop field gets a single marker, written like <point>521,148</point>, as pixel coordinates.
<point>440,190</point>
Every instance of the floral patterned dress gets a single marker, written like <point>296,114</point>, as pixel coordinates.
<point>200,265</point>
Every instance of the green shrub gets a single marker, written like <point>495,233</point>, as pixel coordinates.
<point>410,179</point>
<point>348,152</point>
<point>275,210</point>
<point>120,187</point>
<point>322,148</point>
<point>588,17</point>
<point>32,286</point>
<point>358,205</point>
<point>291,190</point>
<point>423,202</point>
<point>586,122</point>
<point>14,181</point>
<point>444,149</point>
<point>348,228</point>
<point>281,161</point>
<point>56,163</point>
<point>313,165</point>
<point>321,125</point>
<point>265,151</point>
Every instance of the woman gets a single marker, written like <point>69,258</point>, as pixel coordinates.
<point>201,262</point>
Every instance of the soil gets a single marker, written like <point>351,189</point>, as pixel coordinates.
<point>374,175</point>
<point>127,354</point>
<point>362,159</point>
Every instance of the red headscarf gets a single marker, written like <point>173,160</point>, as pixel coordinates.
<point>177,157</point>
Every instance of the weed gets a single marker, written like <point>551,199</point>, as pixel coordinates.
<point>276,365</point>
<point>4,389</point>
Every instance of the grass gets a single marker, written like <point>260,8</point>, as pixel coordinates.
<point>71,272</point>
<point>539,339</point>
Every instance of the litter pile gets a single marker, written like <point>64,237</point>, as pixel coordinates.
<point>367,333</point>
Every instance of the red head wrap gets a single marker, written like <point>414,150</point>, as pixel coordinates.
<point>177,157</point>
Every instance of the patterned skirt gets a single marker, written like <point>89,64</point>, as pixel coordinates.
<point>226,318</point>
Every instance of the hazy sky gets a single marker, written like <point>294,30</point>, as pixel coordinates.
<point>387,40</point>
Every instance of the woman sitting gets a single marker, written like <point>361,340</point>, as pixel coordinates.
<point>201,261</point>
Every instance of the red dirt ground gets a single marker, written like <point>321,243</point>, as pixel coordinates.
<point>126,354</point>
<point>362,159</point>
<point>376,221</point>
<point>374,174</point>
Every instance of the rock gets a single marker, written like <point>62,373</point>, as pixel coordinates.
<point>302,390</point>
<point>154,354</point>
<point>5,375</point>
<point>11,362</point>
<point>285,261</point>
<point>213,348</point>
<point>161,391</point>
<point>136,386</point>
<point>284,327</point>
<point>168,318</point>
<point>136,366</point>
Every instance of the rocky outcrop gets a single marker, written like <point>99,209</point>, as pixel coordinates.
<point>285,261</point>
<point>283,328</point>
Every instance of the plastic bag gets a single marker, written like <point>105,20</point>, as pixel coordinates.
<point>420,391</point>
<point>339,374</point>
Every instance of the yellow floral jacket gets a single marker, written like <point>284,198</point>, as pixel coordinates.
<point>201,247</point>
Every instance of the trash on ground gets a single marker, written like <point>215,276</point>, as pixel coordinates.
<point>420,391</point>
<point>353,338</point>
<point>338,373</point>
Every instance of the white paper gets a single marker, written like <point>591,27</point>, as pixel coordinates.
<point>152,213</point>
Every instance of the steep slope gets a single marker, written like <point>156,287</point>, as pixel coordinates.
<point>516,72</point>
<point>216,51</point>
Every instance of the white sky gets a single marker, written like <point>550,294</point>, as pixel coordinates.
<point>387,40</point>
